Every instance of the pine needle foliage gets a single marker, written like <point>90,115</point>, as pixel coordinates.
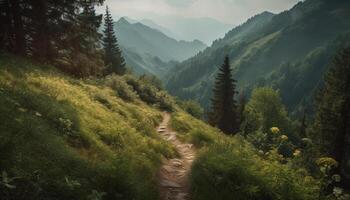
<point>114,59</point>
<point>224,107</point>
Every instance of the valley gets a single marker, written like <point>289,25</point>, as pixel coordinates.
<point>94,106</point>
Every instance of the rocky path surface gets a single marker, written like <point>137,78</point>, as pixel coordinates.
<point>173,176</point>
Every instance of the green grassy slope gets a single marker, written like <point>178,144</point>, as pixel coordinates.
<point>63,138</point>
<point>230,168</point>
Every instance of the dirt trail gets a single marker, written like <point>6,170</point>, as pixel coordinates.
<point>173,176</point>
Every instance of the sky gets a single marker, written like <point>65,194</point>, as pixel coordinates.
<point>226,11</point>
<point>205,20</point>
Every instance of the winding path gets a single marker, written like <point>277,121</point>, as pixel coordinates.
<point>174,174</point>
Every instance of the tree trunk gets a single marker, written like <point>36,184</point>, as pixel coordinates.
<point>41,42</point>
<point>19,36</point>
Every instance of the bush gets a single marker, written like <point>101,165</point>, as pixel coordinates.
<point>230,170</point>
<point>122,89</point>
<point>200,138</point>
<point>193,108</point>
<point>150,94</point>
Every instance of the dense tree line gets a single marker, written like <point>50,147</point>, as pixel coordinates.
<point>64,33</point>
<point>264,122</point>
<point>332,124</point>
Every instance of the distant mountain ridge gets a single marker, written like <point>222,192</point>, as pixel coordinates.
<point>154,42</point>
<point>149,50</point>
<point>289,51</point>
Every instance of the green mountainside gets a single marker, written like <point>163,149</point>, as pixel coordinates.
<point>260,49</point>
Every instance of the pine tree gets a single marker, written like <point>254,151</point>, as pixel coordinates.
<point>332,124</point>
<point>113,56</point>
<point>223,112</point>
<point>42,48</point>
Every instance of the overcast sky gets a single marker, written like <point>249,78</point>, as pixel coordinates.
<point>226,11</point>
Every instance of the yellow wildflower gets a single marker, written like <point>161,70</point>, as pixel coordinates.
<point>284,137</point>
<point>275,130</point>
<point>327,162</point>
<point>297,152</point>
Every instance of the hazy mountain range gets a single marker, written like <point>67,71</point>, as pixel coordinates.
<point>181,28</point>
<point>289,51</point>
<point>148,50</point>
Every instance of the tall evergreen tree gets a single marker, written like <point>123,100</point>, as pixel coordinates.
<point>60,32</point>
<point>224,109</point>
<point>113,56</point>
<point>332,124</point>
<point>84,42</point>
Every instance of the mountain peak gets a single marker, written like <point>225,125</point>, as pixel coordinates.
<point>122,20</point>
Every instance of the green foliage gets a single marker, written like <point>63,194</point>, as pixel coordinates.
<point>149,93</point>
<point>114,59</point>
<point>123,90</point>
<point>193,108</point>
<point>333,110</point>
<point>230,168</point>
<point>263,112</point>
<point>64,33</point>
<point>266,107</point>
<point>63,138</point>
<point>223,112</point>
<point>283,51</point>
<point>200,138</point>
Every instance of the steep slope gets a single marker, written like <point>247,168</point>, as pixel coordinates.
<point>64,138</point>
<point>149,43</point>
<point>262,45</point>
<point>146,63</point>
<point>73,139</point>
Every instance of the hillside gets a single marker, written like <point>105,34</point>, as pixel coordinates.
<point>154,48</point>
<point>302,38</point>
<point>65,138</point>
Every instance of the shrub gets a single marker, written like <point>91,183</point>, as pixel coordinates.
<point>231,170</point>
<point>193,108</point>
<point>200,138</point>
<point>122,89</point>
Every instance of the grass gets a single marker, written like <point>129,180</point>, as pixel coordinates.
<point>63,138</point>
<point>230,168</point>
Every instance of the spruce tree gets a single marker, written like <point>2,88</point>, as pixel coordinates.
<point>332,124</point>
<point>224,109</point>
<point>113,56</point>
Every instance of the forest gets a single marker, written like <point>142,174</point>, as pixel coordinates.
<point>96,108</point>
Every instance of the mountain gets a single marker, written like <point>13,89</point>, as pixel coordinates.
<point>163,29</point>
<point>203,29</point>
<point>148,49</point>
<point>146,63</point>
<point>289,51</point>
<point>153,25</point>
